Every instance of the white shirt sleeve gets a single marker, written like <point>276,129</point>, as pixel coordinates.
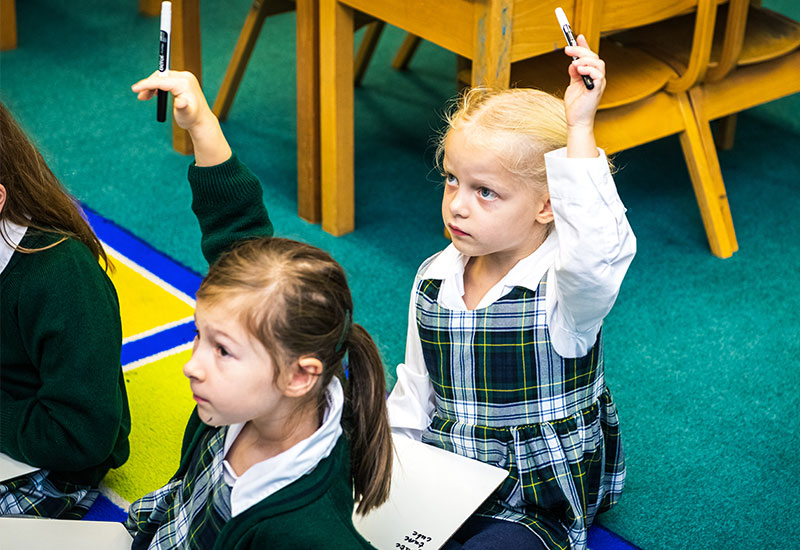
<point>411,402</point>
<point>595,247</point>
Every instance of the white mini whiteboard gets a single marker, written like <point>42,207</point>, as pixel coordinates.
<point>433,493</point>
<point>10,468</point>
<point>62,534</point>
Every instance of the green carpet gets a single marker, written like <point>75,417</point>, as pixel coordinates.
<point>701,353</point>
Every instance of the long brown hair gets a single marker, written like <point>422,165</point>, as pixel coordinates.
<point>34,196</point>
<point>296,302</point>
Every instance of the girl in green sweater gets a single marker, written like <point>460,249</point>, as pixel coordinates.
<point>63,406</point>
<point>282,441</point>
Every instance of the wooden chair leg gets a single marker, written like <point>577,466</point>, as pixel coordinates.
<point>406,51</point>
<point>726,132</point>
<point>241,55</point>
<point>707,183</point>
<point>371,36</point>
<point>336,111</point>
<point>309,196</point>
<point>150,8</point>
<point>8,24</point>
<point>491,60</point>
<point>186,56</point>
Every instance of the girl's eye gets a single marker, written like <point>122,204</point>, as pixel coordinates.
<point>450,179</point>
<point>487,194</point>
<point>222,351</point>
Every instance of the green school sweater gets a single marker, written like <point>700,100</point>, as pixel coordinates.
<point>313,512</point>
<point>63,405</point>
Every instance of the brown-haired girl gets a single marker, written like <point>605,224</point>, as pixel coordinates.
<point>282,441</point>
<point>504,359</point>
<point>62,393</point>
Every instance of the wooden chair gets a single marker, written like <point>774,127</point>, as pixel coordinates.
<point>490,33</point>
<point>754,59</point>
<point>308,156</point>
<point>647,98</point>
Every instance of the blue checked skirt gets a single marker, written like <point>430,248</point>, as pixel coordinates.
<point>505,397</point>
<point>36,494</point>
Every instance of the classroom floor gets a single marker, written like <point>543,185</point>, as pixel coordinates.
<point>701,353</point>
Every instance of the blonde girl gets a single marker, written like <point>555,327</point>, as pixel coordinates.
<point>504,357</point>
<point>283,442</point>
<point>62,393</point>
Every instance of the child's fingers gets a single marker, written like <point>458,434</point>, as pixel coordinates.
<point>594,67</point>
<point>176,83</point>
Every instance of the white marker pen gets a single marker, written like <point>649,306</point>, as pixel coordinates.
<point>564,23</point>
<point>164,47</point>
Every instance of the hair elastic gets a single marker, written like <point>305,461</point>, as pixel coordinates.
<point>345,331</point>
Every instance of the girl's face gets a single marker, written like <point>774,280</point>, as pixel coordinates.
<point>232,376</point>
<point>488,212</point>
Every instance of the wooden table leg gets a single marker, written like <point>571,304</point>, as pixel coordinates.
<point>186,56</point>
<point>491,61</point>
<point>8,24</point>
<point>309,202</point>
<point>336,110</point>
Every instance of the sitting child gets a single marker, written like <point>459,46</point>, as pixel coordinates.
<point>62,392</point>
<point>504,357</point>
<point>281,440</point>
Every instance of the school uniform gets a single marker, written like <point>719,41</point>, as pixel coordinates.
<point>301,498</point>
<point>63,406</point>
<point>518,382</point>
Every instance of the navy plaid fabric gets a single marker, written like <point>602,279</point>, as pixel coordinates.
<point>505,397</point>
<point>188,512</point>
<point>35,494</point>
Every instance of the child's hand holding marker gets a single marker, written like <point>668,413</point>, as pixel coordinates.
<point>192,113</point>
<point>587,74</point>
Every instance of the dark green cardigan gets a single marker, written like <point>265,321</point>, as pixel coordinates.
<point>316,510</point>
<point>63,405</point>
<point>313,512</point>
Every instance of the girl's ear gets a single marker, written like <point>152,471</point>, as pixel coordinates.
<point>303,376</point>
<point>545,214</point>
<point>2,197</point>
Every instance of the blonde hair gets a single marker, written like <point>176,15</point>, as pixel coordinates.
<point>295,300</point>
<point>519,124</point>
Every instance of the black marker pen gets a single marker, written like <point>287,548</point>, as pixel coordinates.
<point>163,57</point>
<point>564,23</point>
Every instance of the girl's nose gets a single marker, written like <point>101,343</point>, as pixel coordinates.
<point>458,204</point>
<point>192,369</point>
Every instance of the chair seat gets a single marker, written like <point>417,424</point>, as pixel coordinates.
<point>768,35</point>
<point>632,74</point>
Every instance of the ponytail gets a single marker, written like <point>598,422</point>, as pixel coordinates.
<point>299,304</point>
<point>370,436</point>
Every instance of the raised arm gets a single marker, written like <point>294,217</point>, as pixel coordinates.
<point>226,195</point>
<point>595,241</point>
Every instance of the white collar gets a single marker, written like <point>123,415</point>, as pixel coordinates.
<point>13,233</point>
<point>267,477</point>
<point>448,266</point>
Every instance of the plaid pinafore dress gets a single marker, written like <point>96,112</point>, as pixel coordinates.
<point>505,397</point>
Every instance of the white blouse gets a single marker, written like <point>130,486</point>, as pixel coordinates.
<point>13,234</point>
<point>585,258</point>
<point>267,477</point>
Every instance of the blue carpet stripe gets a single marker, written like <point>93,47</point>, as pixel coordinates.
<point>140,252</point>
<point>156,343</point>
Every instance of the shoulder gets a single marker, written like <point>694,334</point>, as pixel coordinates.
<point>440,264</point>
<point>59,265</point>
